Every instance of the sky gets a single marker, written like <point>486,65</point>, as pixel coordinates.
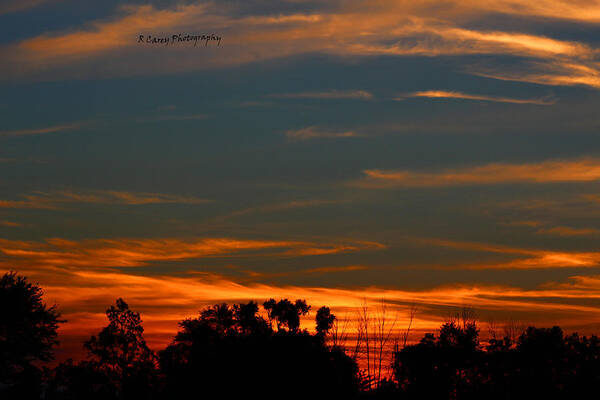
<point>436,153</point>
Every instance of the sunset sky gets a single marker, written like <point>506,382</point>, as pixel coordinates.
<point>442,153</point>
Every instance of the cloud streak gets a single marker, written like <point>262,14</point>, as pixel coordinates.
<point>313,132</point>
<point>332,94</point>
<point>9,6</point>
<point>441,94</point>
<point>582,170</point>
<point>54,200</point>
<point>127,252</point>
<point>39,131</point>
<point>534,258</point>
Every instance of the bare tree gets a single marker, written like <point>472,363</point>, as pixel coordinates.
<point>513,328</point>
<point>382,335</point>
<point>339,333</point>
<point>411,316</point>
<point>493,328</point>
<point>363,332</point>
<point>374,334</point>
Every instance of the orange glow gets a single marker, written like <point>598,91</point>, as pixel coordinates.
<point>78,277</point>
<point>165,300</point>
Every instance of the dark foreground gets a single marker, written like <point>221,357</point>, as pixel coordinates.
<point>234,352</point>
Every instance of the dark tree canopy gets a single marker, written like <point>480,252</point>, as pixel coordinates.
<point>120,354</point>
<point>285,313</point>
<point>233,352</point>
<point>236,353</point>
<point>324,320</point>
<point>27,329</point>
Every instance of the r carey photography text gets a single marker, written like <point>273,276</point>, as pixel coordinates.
<point>180,39</point>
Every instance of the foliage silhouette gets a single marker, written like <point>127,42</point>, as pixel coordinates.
<point>541,363</point>
<point>120,365</point>
<point>325,320</point>
<point>27,335</point>
<point>285,313</point>
<point>233,351</point>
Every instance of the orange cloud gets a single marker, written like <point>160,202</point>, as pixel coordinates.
<point>356,28</point>
<point>581,11</point>
<point>582,170</point>
<point>138,252</point>
<point>536,258</point>
<point>440,94</point>
<point>553,72</point>
<point>104,36</point>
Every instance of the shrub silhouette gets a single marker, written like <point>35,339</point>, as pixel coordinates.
<point>27,335</point>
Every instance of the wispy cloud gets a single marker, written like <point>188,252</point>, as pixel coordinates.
<point>548,229</point>
<point>534,258</point>
<point>9,6</point>
<point>313,132</point>
<point>358,28</point>
<point>582,170</point>
<point>190,117</point>
<point>568,231</point>
<point>441,94</point>
<point>40,131</point>
<point>529,224</point>
<point>552,72</point>
<point>10,224</point>
<point>51,200</point>
<point>126,252</point>
<point>332,94</point>
<point>585,11</point>
<point>283,206</point>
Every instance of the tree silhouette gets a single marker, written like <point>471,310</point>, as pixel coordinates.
<point>121,354</point>
<point>285,313</point>
<point>324,320</point>
<point>27,335</point>
<point>236,353</point>
<point>443,366</point>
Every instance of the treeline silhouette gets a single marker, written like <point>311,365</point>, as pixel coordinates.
<point>232,351</point>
